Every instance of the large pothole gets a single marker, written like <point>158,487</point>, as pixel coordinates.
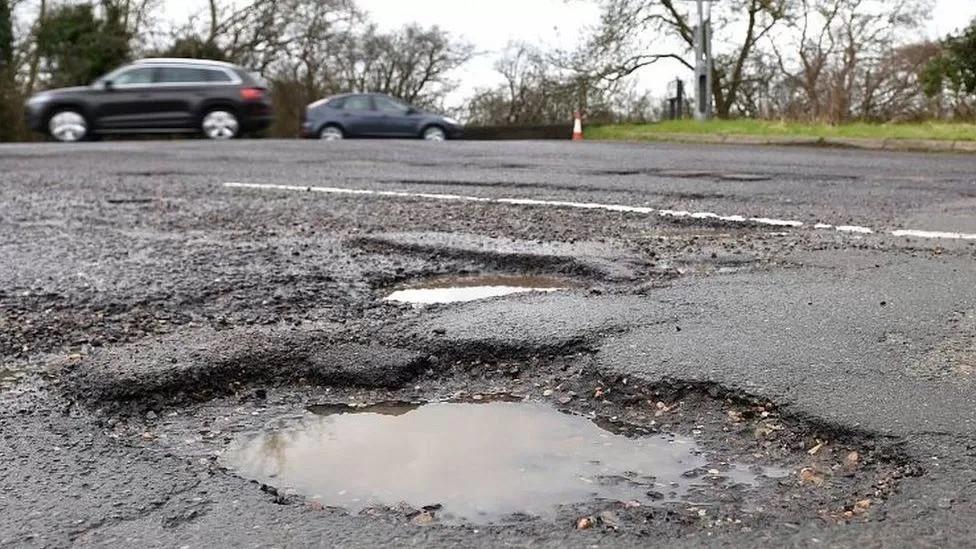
<point>564,446</point>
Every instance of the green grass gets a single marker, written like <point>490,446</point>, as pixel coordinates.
<point>924,130</point>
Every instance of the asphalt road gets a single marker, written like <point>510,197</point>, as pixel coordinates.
<point>157,298</point>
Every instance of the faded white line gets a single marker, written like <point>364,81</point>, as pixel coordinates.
<point>523,202</point>
<point>854,229</point>
<point>858,229</point>
<point>934,234</point>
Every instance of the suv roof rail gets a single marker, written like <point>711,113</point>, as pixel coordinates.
<point>185,61</point>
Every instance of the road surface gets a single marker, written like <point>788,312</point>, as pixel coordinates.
<point>159,299</point>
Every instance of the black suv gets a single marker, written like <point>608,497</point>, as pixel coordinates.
<point>220,100</point>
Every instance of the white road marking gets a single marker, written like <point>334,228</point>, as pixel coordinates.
<point>854,229</point>
<point>934,234</point>
<point>599,206</point>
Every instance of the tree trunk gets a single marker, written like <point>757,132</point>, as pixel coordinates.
<point>36,54</point>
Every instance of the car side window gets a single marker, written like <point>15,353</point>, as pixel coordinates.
<point>135,76</point>
<point>182,75</point>
<point>390,106</point>
<point>337,103</point>
<point>358,103</point>
<point>214,75</point>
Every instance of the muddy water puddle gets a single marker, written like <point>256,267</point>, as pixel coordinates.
<point>471,288</point>
<point>475,463</point>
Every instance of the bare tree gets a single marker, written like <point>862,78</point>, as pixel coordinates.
<point>537,92</point>
<point>842,58</point>
<point>630,32</point>
<point>412,63</point>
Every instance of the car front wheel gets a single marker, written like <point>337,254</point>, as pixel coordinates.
<point>67,126</point>
<point>220,124</point>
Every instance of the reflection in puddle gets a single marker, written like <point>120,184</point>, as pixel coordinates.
<point>458,289</point>
<point>481,462</point>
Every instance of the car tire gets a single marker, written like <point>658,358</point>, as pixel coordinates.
<point>67,126</point>
<point>434,133</point>
<point>331,133</point>
<point>220,124</point>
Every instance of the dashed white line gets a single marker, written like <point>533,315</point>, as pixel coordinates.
<point>854,229</point>
<point>934,234</point>
<point>858,229</point>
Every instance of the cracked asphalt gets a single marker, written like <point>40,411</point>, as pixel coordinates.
<point>149,314</point>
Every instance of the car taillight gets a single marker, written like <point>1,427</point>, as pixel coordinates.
<point>252,94</point>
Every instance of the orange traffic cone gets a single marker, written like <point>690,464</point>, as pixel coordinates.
<point>577,127</point>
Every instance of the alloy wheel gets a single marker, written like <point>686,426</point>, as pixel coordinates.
<point>220,125</point>
<point>68,126</point>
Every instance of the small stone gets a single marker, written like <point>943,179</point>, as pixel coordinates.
<point>655,495</point>
<point>439,331</point>
<point>809,475</point>
<point>565,399</point>
<point>862,506</point>
<point>547,392</point>
<point>150,415</point>
<point>852,460</point>
<point>585,523</point>
<point>944,503</point>
<point>316,505</point>
<point>423,518</point>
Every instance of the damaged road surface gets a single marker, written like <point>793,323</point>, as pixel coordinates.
<point>276,344</point>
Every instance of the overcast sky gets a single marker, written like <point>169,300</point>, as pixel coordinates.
<point>491,24</point>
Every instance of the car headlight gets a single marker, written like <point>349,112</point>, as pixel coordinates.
<point>451,121</point>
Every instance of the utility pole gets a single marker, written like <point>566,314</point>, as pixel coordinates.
<point>703,61</point>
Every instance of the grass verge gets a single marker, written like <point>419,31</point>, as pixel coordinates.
<point>925,130</point>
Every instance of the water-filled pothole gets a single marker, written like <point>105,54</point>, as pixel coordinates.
<point>477,462</point>
<point>470,288</point>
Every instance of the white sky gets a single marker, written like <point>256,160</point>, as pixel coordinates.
<point>491,24</point>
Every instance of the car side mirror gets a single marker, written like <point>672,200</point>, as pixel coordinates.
<point>108,85</point>
<point>412,110</point>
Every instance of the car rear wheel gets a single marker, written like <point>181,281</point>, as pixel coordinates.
<point>434,133</point>
<point>67,126</point>
<point>331,133</point>
<point>220,124</point>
